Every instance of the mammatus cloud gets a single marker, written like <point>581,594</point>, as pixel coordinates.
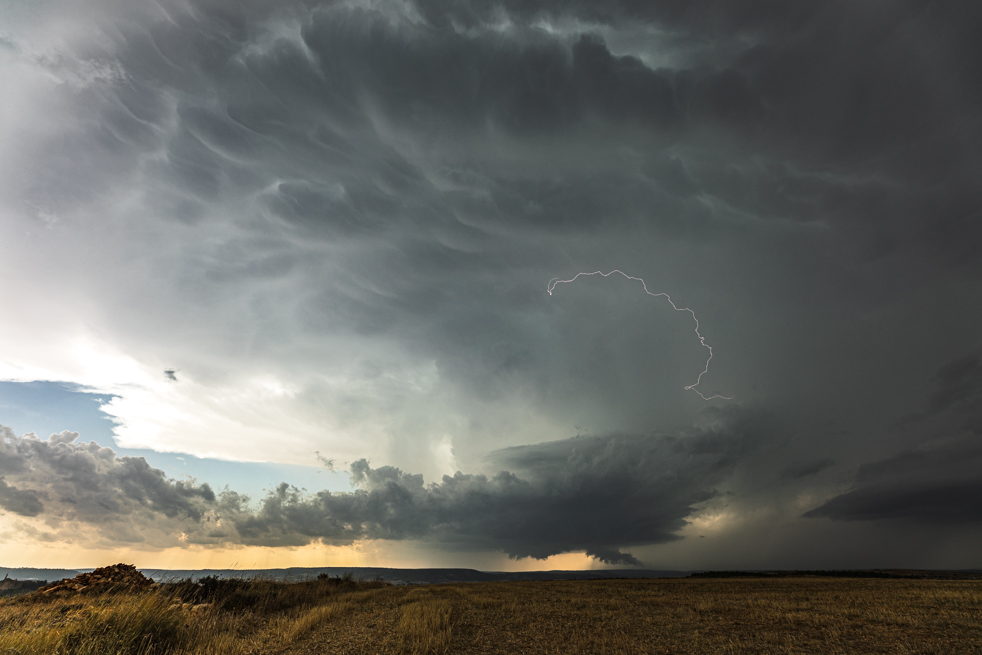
<point>592,494</point>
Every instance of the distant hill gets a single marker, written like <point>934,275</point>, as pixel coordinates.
<point>39,574</point>
<point>11,587</point>
<point>907,574</point>
<point>410,576</point>
<point>435,576</point>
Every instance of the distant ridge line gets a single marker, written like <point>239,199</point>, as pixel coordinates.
<point>415,576</point>
<point>438,575</point>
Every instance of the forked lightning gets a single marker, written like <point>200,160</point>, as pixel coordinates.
<point>702,340</point>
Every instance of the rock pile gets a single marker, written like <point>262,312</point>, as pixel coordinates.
<point>117,577</point>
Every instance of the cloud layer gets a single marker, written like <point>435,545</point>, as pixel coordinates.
<point>275,230</point>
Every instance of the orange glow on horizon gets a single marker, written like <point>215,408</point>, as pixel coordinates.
<point>362,554</point>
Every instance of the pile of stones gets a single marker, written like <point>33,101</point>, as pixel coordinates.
<point>117,577</point>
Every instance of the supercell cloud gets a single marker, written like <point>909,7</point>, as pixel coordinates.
<point>331,226</point>
<point>592,494</point>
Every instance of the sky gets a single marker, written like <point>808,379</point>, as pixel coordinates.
<point>296,283</point>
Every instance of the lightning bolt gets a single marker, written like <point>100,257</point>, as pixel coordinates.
<point>702,340</point>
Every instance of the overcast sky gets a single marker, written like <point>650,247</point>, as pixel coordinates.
<point>302,256</point>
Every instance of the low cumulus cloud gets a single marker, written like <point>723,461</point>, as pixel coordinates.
<point>63,480</point>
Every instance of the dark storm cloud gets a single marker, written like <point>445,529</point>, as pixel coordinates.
<point>526,82</point>
<point>365,124</point>
<point>805,122</point>
<point>959,385</point>
<point>940,480</point>
<point>849,114</point>
<point>313,95</point>
<point>807,469</point>
<point>592,494</point>
<point>309,189</point>
<point>940,483</point>
<point>614,557</point>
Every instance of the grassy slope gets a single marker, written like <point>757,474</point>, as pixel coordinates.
<point>804,615</point>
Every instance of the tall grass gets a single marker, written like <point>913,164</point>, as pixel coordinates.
<point>145,624</point>
<point>213,616</point>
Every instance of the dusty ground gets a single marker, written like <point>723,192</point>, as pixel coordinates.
<point>669,616</point>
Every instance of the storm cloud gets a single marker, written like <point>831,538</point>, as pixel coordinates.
<point>591,494</point>
<point>940,480</point>
<point>331,225</point>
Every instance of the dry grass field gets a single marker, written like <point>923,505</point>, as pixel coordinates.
<point>787,615</point>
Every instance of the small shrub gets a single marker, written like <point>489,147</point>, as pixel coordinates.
<point>209,589</point>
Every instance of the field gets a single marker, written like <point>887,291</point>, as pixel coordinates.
<point>787,615</point>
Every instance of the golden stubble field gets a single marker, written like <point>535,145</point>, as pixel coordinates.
<point>788,615</point>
